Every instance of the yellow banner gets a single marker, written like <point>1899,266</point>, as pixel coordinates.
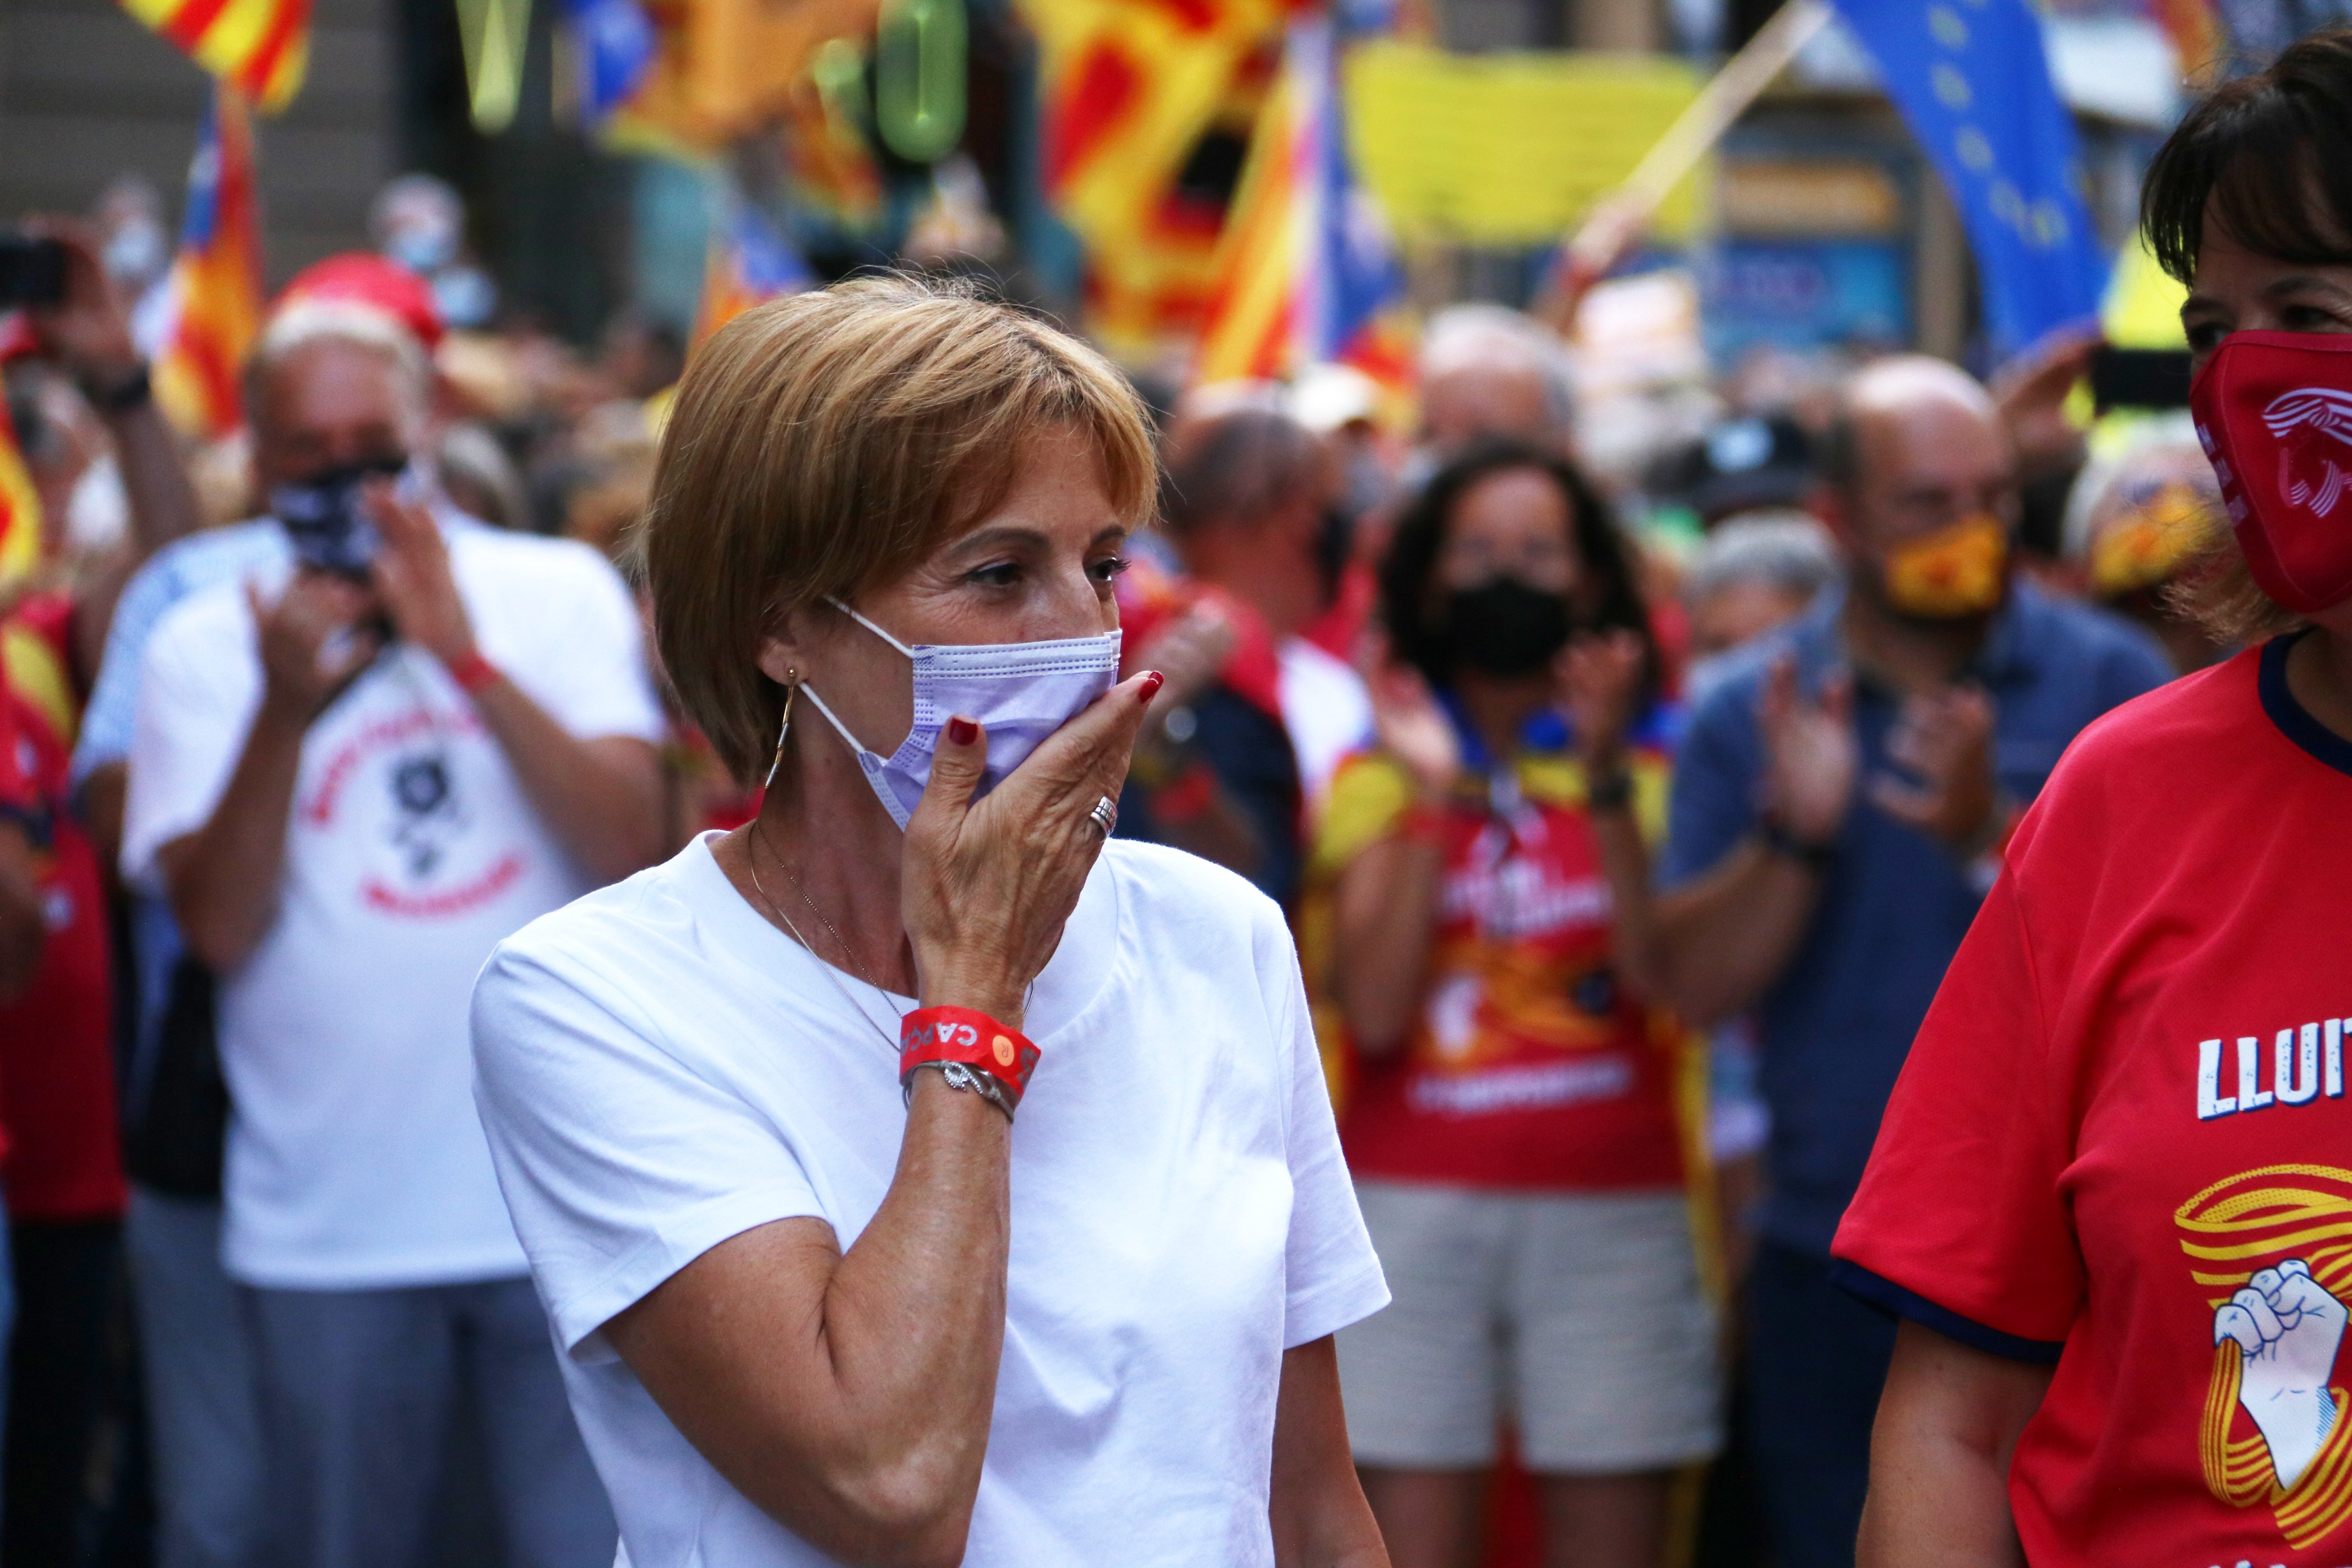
<point>1512,149</point>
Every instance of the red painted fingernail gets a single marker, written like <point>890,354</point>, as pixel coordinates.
<point>962,731</point>
<point>1151,684</point>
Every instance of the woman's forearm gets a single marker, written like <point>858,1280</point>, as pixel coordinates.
<point>1633,931</point>
<point>848,1395</point>
<point>1319,1516</point>
<point>1947,1424</point>
<point>1387,920</point>
<point>913,1327</point>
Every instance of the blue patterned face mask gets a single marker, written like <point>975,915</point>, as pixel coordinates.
<point>1019,692</point>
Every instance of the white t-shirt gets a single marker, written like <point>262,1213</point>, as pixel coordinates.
<point>659,1070</point>
<point>356,1159</point>
<point>1327,710</point>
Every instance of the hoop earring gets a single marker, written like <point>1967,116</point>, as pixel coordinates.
<point>790,690</point>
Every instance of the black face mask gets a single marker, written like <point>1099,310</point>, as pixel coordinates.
<point>324,518</point>
<point>1505,627</point>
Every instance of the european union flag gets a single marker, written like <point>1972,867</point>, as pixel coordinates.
<point>616,43</point>
<point>1971,78</point>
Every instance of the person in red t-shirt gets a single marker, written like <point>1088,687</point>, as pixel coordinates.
<point>2112,1198</point>
<point>1477,929</point>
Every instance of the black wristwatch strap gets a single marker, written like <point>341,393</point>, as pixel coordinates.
<point>131,391</point>
<point>1611,791</point>
<point>1779,841</point>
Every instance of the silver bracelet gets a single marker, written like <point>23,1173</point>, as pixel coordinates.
<point>958,1076</point>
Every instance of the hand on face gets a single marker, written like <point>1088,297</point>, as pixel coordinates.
<point>411,576</point>
<point>313,642</point>
<point>1945,739</point>
<point>1811,753</point>
<point>987,885</point>
<point>1600,678</point>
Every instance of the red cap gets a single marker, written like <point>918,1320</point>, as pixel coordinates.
<point>363,277</point>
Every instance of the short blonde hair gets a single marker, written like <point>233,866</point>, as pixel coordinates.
<point>824,442</point>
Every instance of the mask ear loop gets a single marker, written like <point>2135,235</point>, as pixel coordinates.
<point>791,689</point>
<point>869,625</point>
<point>839,728</point>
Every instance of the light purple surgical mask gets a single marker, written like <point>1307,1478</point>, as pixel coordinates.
<point>1018,692</point>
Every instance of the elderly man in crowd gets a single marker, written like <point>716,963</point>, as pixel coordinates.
<point>1487,372</point>
<point>394,739</point>
<point>1839,809</point>
<point>1757,572</point>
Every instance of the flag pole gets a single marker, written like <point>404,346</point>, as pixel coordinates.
<point>1618,219</point>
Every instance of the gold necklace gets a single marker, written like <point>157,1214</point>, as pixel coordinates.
<point>752,864</point>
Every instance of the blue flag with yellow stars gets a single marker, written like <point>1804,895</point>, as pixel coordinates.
<point>1972,79</point>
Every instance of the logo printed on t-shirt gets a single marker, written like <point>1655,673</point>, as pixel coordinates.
<point>433,863</point>
<point>2275,1243</point>
<point>426,814</point>
<point>2304,1063</point>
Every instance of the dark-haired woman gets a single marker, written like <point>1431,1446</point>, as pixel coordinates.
<point>2112,1198</point>
<point>1481,887</point>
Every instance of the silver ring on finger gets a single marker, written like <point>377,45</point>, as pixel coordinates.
<point>1105,814</point>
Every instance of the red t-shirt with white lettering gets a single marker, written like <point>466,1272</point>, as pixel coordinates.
<point>2122,1142</point>
<point>1531,1067</point>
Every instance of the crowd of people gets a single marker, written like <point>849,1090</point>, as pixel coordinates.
<point>1628,817</point>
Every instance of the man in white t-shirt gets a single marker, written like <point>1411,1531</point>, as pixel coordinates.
<point>351,776</point>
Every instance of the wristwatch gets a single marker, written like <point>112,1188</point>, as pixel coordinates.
<point>123,394</point>
<point>1611,791</point>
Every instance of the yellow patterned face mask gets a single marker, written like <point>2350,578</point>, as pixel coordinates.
<point>2146,546</point>
<point>1954,572</point>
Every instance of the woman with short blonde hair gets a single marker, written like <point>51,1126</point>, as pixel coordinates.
<point>821,1300</point>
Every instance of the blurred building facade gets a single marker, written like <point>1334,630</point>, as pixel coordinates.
<point>87,93</point>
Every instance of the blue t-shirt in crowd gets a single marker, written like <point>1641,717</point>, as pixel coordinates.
<point>183,567</point>
<point>1835,1029</point>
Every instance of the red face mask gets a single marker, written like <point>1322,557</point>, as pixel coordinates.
<point>2274,412</point>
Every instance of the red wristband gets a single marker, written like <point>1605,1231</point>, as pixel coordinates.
<point>973,1038</point>
<point>472,672</point>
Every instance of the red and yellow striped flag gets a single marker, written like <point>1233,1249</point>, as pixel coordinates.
<point>749,261</point>
<point>20,509</point>
<point>1127,89</point>
<point>1305,272</point>
<point>258,47</point>
<point>214,290</point>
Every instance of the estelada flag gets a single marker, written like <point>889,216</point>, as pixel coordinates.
<point>258,47</point>
<point>749,261</point>
<point>20,509</point>
<point>1305,268</point>
<point>1127,89</point>
<point>214,294</point>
